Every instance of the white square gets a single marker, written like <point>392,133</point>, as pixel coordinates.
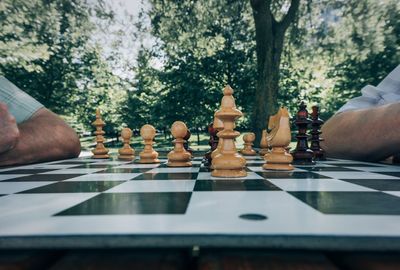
<point>104,177</point>
<point>75,171</point>
<point>11,176</point>
<point>137,166</point>
<point>356,175</point>
<point>14,187</point>
<point>154,186</point>
<point>316,185</point>
<point>175,170</point>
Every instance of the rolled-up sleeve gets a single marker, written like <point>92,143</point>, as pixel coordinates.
<point>388,91</point>
<point>21,105</point>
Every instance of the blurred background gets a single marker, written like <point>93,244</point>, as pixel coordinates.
<point>158,61</point>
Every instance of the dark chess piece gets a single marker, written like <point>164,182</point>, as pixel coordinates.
<point>316,123</point>
<point>186,144</point>
<point>396,159</point>
<point>302,154</point>
<point>213,143</point>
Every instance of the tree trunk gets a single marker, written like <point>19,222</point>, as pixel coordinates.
<point>269,46</point>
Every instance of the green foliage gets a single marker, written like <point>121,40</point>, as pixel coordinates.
<point>47,48</point>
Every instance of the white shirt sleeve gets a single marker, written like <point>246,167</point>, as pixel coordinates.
<point>387,91</point>
<point>21,105</point>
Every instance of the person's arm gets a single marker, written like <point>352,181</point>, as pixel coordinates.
<point>43,137</point>
<point>371,134</point>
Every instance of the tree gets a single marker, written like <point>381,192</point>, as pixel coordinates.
<point>270,34</point>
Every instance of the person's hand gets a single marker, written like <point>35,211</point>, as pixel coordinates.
<point>9,132</point>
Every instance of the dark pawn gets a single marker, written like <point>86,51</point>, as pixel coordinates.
<point>319,154</point>
<point>213,142</point>
<point>396,159</point>
<point>302,154</point>
<point>186,143</point>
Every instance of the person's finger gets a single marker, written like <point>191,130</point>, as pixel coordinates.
<point>3,108</point>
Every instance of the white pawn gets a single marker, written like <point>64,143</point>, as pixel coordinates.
<point>126,152</point>
<point>179,157</point>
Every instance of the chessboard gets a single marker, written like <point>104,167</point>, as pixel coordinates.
<point>72,202</point>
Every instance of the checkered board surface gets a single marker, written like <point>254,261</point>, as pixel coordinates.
<point>109,197</point>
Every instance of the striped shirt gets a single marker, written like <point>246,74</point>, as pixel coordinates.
<point>387,91</point>
<point>21,105</point>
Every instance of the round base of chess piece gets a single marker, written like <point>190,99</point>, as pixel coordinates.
<point>148,160</point>
<point>101,153</point>
<point>126,157</point>
<point>278,167</point>
<point>105,156</point>
<point>319,155</point>
<point>263,151</point>
<point>179,159</point>
<point>228,173</point>
<point>229,165</point>
<point>303,157</point>
<point>250,152</point>
<point>179,164</point>
<point>278,159</point>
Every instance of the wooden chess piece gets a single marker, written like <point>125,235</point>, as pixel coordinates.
<point>319,153</point>
<point>212,142</point>
<point>302,154</point>
<point>263,143</point>
<point>279,138</point>
<point>100,151</point>
<point>219,126</point>
<point>126,152</point>
<point>228,163</point>
<point>248,139</point>
<point>148,155</point>
<point>186,143</point>
<point>179,157</point>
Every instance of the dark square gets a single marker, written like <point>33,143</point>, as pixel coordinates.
<point>327,169</point>
<point>295,175</point>
<point>396,174</point>
<point>26,171</point>
<point>205,169</point>
<point>75,187</point>
<point>253,164</point>
<point>166,176</point>
<point>126,170</point>
<point>378,184</point>
<point>351,203</point>
<point>234,185</point>
<point>43,177</point>
<point>132,204</point>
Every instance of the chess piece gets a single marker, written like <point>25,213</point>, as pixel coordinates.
<point>126,152</point>
<point>248,139</point>
<point>319,154</point>
<point>302,154</point>
<point>228,162</point>
<point>279,138</point>
<point>263,143</point>
<point>179,157</point>
<point>100,151</point>
<point>213,142</point>
<point>186,143</point>
<point>148,155</point>
<point>219,126</point>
